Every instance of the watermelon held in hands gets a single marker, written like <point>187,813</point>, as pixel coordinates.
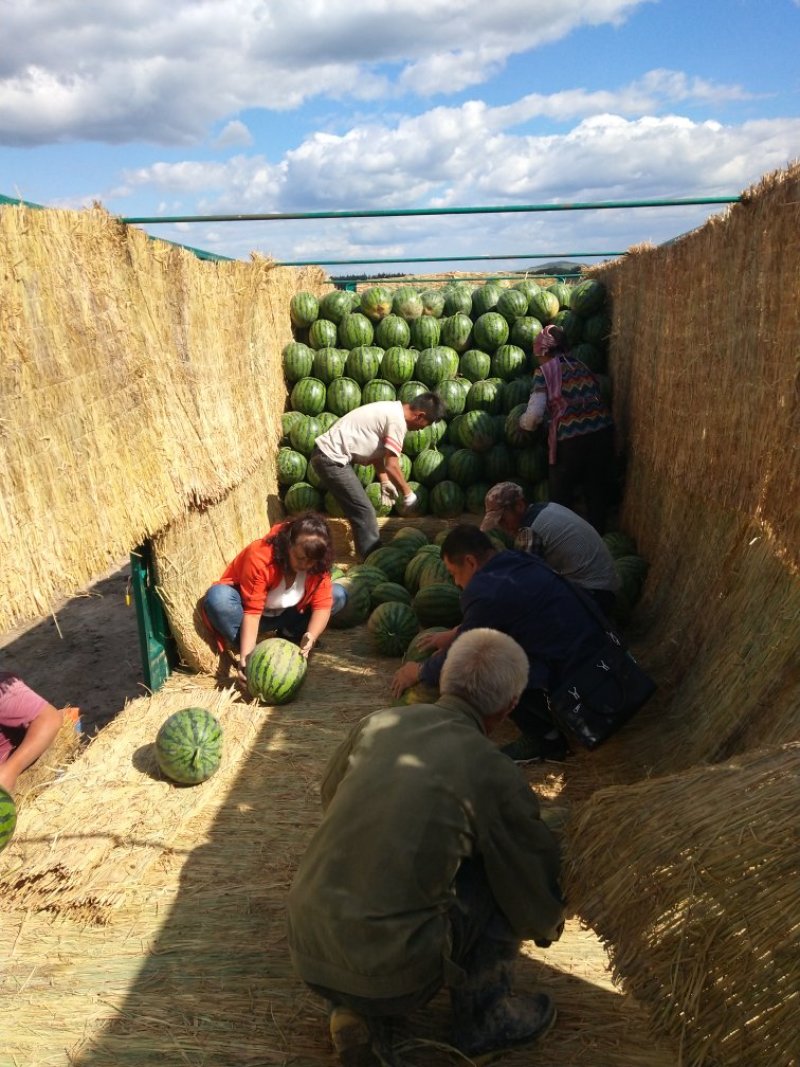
<point>189,746</point>
<point>8,818</point>
<point>275,670</point>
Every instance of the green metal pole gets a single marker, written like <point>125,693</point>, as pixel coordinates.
<point>448,259</point>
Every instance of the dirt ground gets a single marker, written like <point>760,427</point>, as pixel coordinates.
<point>85,655</point>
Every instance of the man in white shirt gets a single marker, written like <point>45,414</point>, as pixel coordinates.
<point>372,433</point>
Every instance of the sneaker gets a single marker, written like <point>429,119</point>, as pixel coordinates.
<point>351,1038</point>
<point>527,749</point>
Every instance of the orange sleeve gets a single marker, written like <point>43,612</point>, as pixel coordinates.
<point>256,575</point>
<point>322,596</point>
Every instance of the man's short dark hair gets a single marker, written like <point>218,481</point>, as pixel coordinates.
<point>431,406</point>
<point>465,540</point>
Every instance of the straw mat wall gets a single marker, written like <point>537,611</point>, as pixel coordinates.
<point>137,380</point>
<point>701,902</point>
<point>145,923</point>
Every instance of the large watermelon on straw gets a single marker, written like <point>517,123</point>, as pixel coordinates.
<point>275,670</point>
<point>189,746</point>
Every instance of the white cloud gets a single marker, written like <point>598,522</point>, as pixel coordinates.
<point>234,135</point>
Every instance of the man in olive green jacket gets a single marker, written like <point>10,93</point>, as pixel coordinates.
<point>429,868</point>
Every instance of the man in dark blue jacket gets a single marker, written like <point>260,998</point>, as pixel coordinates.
<point>521,596</point>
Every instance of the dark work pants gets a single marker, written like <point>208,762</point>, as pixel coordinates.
<point>585,463</point>
<point>532,714</point>
<point>343,484</point>
<point>481,937</point>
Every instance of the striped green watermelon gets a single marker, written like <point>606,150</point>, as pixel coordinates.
<point>354,330</point>
<point>421,506</point>
<point>303,309</point>
<point>302,497</point>
<point>343,395</point>
<point>438,604</point>
<point>458,300</point>
<point>432,571</point>
<point>393,331</point>
<point>517,391</point>
<point>357,607</point>
<point>425,332</point>
<point>417,694</point>
<point>447,499</point>
<point>304,433</point>
<point>392,626</point>
<point>412,534</point>
<point>508,361</point>
<point>415,654</point>
<point>432,303</point>
<point>571,324</point>
<point>405,465</point>
<point>513,433</point>
<point>365,472</point>
<point>597,328</point>
<point>524,332</point>
<point>452,394</point>
<point>367,573</point>
<point>275,671</point>
<point>362,363</point>
<point>527,286</point>
<point>588,297</point>
<point>477,430</point>
<point>8,817</point>
<point>486,395</point>
<point>619,543</point>
<point>485,298</point>
<point>407,303</point>
<point>298,359</point>
<point>188,746</point>
<point>335,305</point>
<point>562,292</point>
<point>436,364</point>
<point>541,492</point>
<point>591,356</point>
<point>373,492</point>
<point>389,593</point>
<point>397,365</point>
<point>322,334</point>
<point>329,364</point>
<point>291,466</point>
<point>417,441</point>
<point>415,566</point>
<point>376,390</point>
<point>512,305</point>
<point>308,396</point>
<point>288,420</point>
<point>456,332</point>
<point>475,497</point>
<point>498,463</point>
<point>474,365</point>
<point>430,467</point>
<point>490,331</point>
<point>543,306</point>
<point>376,302</point>
<point>326,419</point>
<point>532,464</point>
<point>391,560</point>
<point>465,467</point>
<point>314,480</point>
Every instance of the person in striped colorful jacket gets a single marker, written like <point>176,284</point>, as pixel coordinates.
<point>580,429</point>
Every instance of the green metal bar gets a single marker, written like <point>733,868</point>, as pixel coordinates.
<point>350,281</point>
<point>362,213</point>
<point>156,644</point>
<point>447,259</point>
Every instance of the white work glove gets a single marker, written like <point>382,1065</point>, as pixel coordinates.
<point>388,494</point>
<point>410,500</point>
<point>528,421</point>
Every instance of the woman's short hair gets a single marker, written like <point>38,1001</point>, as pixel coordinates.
<point>486,668</point>
<point>315,533</point>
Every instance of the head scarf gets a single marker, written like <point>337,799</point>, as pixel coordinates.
<point>550,342</point>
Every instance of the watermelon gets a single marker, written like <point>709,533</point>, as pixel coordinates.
<point>365,473</point>
<point>465,467</point>
<point>591,356</point>
<point>425,332</point>
<point>498,463</point>
<point>298,359</point>
<point>393,331</point>
<point>438,604</point>
<point>367,573</point>
<point>421,506</point>
<point>376,390</point>
<point>275,670</point>
<point>355,330</point>
<point>474,365</point>
<point>308,395</point>
<point>512,305</point>
<point>329,364</point>
<point>188,746</point>
<point>335,305</point>
<point>458,299</point>
<point>430,467</point>
<point>451,392</point>
<point>302,497</point>
<point>513,433</point>
<point>332,506</point>
<point>433,570</point>
<point>541,492</point>
<point>416,565</point>
<point>389,593</point>
<point>291,466</point>
<point>417,694</point>
<point>562,292</point>
<point>303,309</point>
<point>436,364</point>
<point>304,433</point>
<point>391,560</point>
<point>397,365</point>
<point>376,302</point>
<point>486,395</point>
<point>588,297</point>
<point>357,608</point>
<point>432,303</point>
<point>477,430</point>
<point>326,419</point>
<point>288,420</point>
<point>373,492</point>
<point>476,496</point>
<point>405,465</point>
<point>484,298</point>
<point>524,332</point>
<point>314,480</point>
<point>529,287</point>
<point>8,817</point>
<point>447,500</point>
<point>490,331</point>
<point>571,324</point>
<point>507,362</point>
<point>517,391</point>
<point>322,334</point>
<point>597,328</point>
<point>407,303</point>
<point>362,363</point>
<point>416,441</point>
<point>414,654</point>
<point>456,332</point>
<point>392,627</point>
<point>619,543</point>
<point>543,306</point>
<point>411,534</point>
<point>343,395</point>
<point>532,464</point>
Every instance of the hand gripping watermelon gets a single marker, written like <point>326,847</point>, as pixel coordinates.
<point>275,670</point>
<point>189,746</point>
<point>8,818</point>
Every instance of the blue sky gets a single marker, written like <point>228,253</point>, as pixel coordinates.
<point>239,106</point>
